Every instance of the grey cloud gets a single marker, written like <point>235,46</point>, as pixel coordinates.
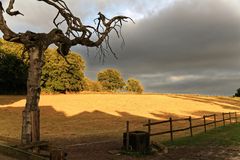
<point>188,38</point>
<point>212,84</point>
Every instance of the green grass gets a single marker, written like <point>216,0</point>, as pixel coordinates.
<point>222,136</point>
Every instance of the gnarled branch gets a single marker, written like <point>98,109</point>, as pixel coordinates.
<point>10,7</point>
<point>76,32</point>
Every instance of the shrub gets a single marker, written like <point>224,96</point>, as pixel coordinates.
<point>93,86</point>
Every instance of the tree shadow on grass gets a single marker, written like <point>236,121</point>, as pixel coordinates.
<point>80,128</point>
<point>62,129</point>
<point>84,127</point>
<point>9,99</point>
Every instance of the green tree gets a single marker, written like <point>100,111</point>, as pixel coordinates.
<point>59,75</point>
<point>13,74</point>
<point>111,80</point>
<point>134,85</point>
<point>238,93</point>
<point>11,48</point>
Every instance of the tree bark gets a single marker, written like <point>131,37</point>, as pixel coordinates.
<point>31,113</point>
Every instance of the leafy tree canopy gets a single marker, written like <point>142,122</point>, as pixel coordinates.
<point>11,48</point>
<point>111,80</point>
<point>134,85</point>
<point>93,86</point>
<point>58,75</point>
<point>13,74</point>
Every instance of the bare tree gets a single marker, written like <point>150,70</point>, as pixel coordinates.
<point>36,44</point>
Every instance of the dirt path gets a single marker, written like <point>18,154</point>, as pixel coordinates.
<point>203,153</point>
<point>3,157</point>
<point>101,152</point>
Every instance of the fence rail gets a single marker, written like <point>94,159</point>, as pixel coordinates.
<point>230,116</point>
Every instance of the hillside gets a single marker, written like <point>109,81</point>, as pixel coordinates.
<point>104,115</point>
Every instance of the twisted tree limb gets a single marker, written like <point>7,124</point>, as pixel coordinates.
<point>10,7</point>
<point>76,33</point>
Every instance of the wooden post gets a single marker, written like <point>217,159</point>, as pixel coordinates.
<point>171,128</point>
<point>236,117</point>
<point>205,127</point>
<point>223,119</point>
<point>215,123</point>
<point>149,127</point>
<point>58,154</point>
<point>127,136</point>
<point>230,117</point>
<point>190,125</point>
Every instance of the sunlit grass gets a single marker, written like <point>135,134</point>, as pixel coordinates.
<point>221,136</point>
<point>93,117</point>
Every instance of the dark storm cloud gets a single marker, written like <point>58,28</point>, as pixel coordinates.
<point>188,39</point>
<point>208,83</point>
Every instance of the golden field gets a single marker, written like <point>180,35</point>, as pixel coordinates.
<point>89,117</point>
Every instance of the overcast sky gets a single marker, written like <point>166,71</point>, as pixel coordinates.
<point>176,46</point>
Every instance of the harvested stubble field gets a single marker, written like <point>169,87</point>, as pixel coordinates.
<point>78,118</point>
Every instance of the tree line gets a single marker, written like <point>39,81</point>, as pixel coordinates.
<point>237,94</point>
<point>59,75</point>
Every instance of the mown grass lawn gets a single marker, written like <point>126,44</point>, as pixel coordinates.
<point>221,136</point>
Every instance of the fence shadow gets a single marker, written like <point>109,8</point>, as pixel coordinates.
<point>166,115</point>
<point>61,129</point>
<point>205,121</point>
<point>80,128</point>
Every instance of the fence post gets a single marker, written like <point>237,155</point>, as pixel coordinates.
<point>205,128</point>
<point>171,128</point>
<point>190,123</point>
<point>223,119</point>
<point>215,123</point>
<point>127,136</point>
<point>230,117</point>
<point>57,154</point>
<point>149,127</point>
<point>236,117</point>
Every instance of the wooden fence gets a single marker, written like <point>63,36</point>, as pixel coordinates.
<point>230,117</point>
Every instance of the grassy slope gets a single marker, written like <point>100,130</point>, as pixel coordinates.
<point>84,116</point>
<point>222,136</point>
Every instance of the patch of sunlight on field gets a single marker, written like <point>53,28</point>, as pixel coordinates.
<point>151,106</point>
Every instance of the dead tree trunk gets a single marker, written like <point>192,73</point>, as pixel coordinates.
<point>36,43</point>
<point>31,113</point>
